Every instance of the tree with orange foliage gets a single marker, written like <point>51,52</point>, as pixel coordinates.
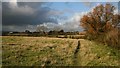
<point>100,20</point>
<point>102,24</point>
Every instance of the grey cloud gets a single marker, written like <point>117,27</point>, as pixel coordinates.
<point>26,13</point>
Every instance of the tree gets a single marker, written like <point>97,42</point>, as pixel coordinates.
<point>100,20</point>
<point>27,31</point>
<point>62,31</point>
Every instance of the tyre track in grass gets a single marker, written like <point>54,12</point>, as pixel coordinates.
<point>81,47</point>
<point>76,53</point>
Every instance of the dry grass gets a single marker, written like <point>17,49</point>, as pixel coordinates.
<point>40,51</point>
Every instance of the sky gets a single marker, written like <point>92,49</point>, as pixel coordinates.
<point>21,16</point>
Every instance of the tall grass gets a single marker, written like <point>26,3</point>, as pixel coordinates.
<point>110,38</point>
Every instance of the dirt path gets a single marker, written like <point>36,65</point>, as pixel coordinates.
<point>84,53</point>
<point>76,53</point>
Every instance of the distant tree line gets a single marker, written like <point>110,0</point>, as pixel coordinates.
<point>40,33</point>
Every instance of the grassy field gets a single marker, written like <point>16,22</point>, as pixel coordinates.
<point>45,51</point>
<point>29,51</point>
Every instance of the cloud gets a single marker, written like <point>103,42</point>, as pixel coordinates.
<point>26,13</point>
<point>13,4</point>
<point>24,10</point>
<point>71,24</point>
